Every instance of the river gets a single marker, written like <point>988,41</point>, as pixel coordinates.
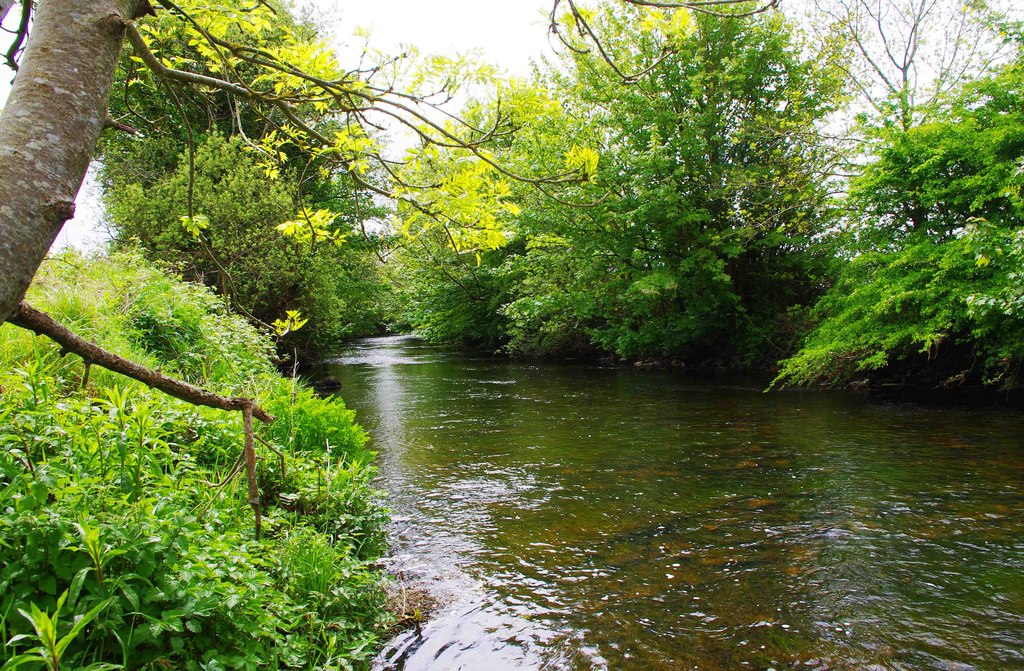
<point>582,517</point>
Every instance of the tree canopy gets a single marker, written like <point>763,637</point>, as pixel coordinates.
<point>668,187</point>
<point>246,64</point>
<point>934,239</point>
<point>693,240</point>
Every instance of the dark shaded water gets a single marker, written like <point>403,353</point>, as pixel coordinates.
<point>604,518</point>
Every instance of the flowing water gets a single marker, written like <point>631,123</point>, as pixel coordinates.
<point>580,517</point>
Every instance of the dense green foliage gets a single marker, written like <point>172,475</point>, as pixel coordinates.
<point>241,252</point>
<point>932,289</point>
<point>718,227</point>
<point>709,190</point>
<point>208,187</point>
<point>110,509</point>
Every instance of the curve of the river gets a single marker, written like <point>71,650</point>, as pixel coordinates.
<point>580,517</point>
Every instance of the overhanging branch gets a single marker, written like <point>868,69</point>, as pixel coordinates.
<point>43,324</point>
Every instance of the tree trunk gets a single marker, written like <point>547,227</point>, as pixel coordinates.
<point>50,126</point>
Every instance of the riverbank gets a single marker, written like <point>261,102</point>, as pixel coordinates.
<point>911,382</point>
<point>124,511</point>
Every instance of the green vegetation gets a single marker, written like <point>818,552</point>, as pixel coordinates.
<point>239,248</point>
<point>212,190</point>
<point>932,288</point>
<point>710,186</point>
<point>701,212</point>
<point>726,226</point>
<point>720,187</point>
<point>120,546</point>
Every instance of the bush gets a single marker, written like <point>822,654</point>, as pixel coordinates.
<point>243,254</point>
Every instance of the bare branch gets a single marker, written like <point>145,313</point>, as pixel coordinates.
<point>250,468</point>
<point>20,35</point>
<point>43,324</point>
<point>711,6</point>
<point>590,37</point>
<point>909,53</point>
<point>118,125</point>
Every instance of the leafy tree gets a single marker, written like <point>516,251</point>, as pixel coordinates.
<point>47,138</point>
<point>453,275</point>
<point>237,246</point>
<point>274,228</point>
<point>931,291</point>
<point>697,240</point>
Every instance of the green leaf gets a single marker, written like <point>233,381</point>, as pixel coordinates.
<point>76,585</point>
<point>20,660</point>
<point>195,224</point>
<point>79,625</point>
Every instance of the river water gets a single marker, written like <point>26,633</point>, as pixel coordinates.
<point>581,517</point>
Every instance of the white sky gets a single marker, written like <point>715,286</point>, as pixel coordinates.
<point>508,33</point>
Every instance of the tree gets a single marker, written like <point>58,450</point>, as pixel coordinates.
<point>58,105</point>
<point>332,277</point>
<point>695,244</point>
<point>5,6</point>
<point>907,55</point>
<point>59,101</point>
<point>932,291</point>
<point>196,187</point>
<point>49,128</point>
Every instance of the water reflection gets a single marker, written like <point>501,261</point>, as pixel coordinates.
<point>588,518</point>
